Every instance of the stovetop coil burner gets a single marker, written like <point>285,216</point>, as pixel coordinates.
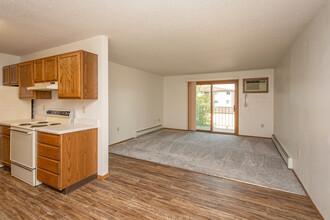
<point>24,124</point>
<point>37,126</point>
<point>55,124</point>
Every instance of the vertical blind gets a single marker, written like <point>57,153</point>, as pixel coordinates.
<point>192,106</point>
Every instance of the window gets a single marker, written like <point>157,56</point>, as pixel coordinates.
<point>228,102</point>
<point>227,93</point>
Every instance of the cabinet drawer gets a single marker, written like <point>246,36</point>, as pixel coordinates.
<point>49,151</point>
<point>48,164</point>
<point>4,130</point>
<point>50,139</point>
<point>48,178</point>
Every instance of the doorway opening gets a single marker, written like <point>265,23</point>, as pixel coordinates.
<point>217,106</point>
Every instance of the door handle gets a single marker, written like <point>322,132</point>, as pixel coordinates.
<point>235,108</point>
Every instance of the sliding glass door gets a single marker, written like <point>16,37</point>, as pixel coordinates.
<point>216,106</point>
<point>203,107</point>
<point>224,108</point>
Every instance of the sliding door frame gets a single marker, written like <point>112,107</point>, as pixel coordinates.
<point>234,81</point>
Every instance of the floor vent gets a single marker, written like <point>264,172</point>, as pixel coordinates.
<point>284,154</point>
<point>148,130</point>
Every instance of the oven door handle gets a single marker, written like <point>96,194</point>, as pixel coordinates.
<point>24,132</point>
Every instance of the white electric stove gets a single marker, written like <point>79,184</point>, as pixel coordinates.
<point>23,147</point>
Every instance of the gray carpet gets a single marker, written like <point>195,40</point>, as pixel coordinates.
<point>251,160</point>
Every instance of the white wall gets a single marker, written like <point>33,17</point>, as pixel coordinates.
<point>302,108</point>
<point>259,110</point>
<point>6,59</point>
<point>11,107</point>
<point>135,101</point>
<point>95,109</point>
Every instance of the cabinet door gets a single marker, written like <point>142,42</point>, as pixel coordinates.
<point>5,150</point>
<point>5,75</point>
<point>38,70</point>
<point>70,75</point>
<point>13,75</point>
<point>25,79</point>
<point>51,69</point>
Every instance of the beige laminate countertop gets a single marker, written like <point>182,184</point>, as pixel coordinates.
<point>67,128</point>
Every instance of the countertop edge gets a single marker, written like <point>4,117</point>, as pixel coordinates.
<point>65,131</point>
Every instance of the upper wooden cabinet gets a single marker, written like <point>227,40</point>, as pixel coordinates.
<point>77,75</point>
<point>38,70</point>
<point>45,70</point>
<point>26,80</point>
<point>13,75</point>
<point>50,69</point>
<point>10,75</point>
<point>5,75</point>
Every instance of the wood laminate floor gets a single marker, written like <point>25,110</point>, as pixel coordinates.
<point>138,189</point>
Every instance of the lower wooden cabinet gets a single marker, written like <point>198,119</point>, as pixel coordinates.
<point>5,146</point>
<point>66,159</point>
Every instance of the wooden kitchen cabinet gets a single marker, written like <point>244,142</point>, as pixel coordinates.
<point>66,159</point>
<point>78,75</point>
<point>5,146</point>
<point>10,75</point>
<point>5,75</point>
<point>45,70</point>
<point>38,70</point>
<point>26,80</point>
<point>51,69</point>
<point>13,75</point>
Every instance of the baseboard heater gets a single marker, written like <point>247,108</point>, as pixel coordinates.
<point>148,130</point>
<point>284,154</point>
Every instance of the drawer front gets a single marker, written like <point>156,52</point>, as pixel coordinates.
<point>50,139</point>
<point>49,164</point>
<point>4,130</point>
<point>48,178</point>
<point>49,151</point>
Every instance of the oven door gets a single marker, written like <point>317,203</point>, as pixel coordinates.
<point>22,148</point>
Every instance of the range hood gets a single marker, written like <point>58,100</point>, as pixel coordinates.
<point>46,86</point>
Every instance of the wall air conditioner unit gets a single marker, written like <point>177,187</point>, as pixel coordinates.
<point>256,85</point>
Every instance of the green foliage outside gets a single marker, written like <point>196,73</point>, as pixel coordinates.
<point>203,108</point>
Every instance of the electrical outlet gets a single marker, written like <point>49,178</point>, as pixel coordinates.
<point>84,109</point>
<point>117,128</point>
<point>298,153</point>
<point>158,119</point>
<point>44,108</point>
<point>155,121</point>
<point>262,125</point>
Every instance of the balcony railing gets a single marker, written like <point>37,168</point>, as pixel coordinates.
<point>224,118</point>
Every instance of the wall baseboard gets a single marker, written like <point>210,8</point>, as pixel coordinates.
<point>286,157</point>
<point>99,177</point>
<point>121,142</point>
<point>148,130</point>
<point>176,129</point>
<point>254,136</point>
<point>308,195</point>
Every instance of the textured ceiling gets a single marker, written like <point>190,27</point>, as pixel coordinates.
<point>166,37</point>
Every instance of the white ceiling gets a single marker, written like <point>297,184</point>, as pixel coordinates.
<point>166,37</point>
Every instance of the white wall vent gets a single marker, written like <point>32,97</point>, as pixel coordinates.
<point>284,154</point>
<point>148,130</point>
<point>257,85</point>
